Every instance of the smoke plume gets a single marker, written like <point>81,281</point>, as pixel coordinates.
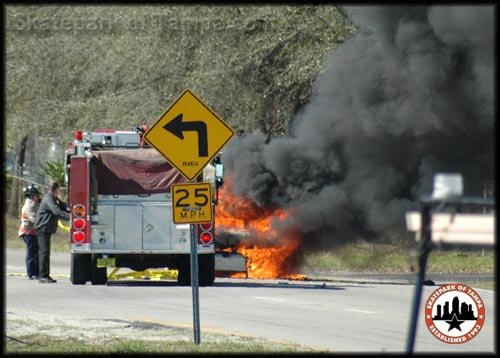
<point>410,95</point>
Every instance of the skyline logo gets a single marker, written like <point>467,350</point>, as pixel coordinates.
<point>454,313</point>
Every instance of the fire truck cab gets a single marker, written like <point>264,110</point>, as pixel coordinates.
<point>121,210</point>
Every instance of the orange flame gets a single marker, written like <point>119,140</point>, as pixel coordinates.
<point>269,253</point>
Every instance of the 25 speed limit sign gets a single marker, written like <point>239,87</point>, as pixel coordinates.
<point>192,203</point>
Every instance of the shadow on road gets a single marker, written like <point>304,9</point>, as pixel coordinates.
<point>239,284</point>
<point>305,286</point>
<point>148,283</point>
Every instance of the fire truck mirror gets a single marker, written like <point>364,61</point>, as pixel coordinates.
<point>219,170</point>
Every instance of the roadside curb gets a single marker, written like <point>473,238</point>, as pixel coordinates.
<point>395,278</point>
<point>343,279</point>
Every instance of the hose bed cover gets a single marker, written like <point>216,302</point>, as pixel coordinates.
<point>133,171</point>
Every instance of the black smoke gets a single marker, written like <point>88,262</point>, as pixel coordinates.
<point>410,95</point>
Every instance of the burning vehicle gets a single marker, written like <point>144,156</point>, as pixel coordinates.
<point>248,245</point>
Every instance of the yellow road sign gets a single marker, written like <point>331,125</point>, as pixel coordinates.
<point>189,134</point>
<point>192,203</point>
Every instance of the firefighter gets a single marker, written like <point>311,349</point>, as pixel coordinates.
<point>27,229</point>
<point>51,210</point>
<point>142,130</point>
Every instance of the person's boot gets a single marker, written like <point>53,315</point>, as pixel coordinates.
<point>47,280</point>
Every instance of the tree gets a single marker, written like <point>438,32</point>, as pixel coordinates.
<point>13,208</point>
<point>106,66</point>
<point>85,67</point>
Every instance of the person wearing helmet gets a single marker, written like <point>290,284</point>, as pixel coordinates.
<point>27,229</point>
<point>51,210</point>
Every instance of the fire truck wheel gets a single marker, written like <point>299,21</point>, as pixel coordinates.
<point>98,275</point>
<point>184,275</point>
<point>80,264</point>
<point>206,270</point>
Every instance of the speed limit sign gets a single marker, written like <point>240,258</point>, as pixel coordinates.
<point>192,203</point>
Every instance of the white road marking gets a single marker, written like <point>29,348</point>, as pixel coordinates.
<point>269,299</point>
<point>360,311</point>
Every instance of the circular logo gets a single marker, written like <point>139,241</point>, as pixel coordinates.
<point>454,313</point>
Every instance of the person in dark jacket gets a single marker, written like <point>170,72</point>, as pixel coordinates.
<point>50,211</point>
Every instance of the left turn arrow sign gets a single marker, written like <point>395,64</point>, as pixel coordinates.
<point>177,127</point>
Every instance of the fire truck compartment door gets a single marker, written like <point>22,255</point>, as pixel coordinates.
<point>128,227</point>
<point>157,226</point>
<point>103,236</point>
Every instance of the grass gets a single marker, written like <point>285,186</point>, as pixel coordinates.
<point>41,343</point>
<point>487,285</point>
<point>399,259</point>
<point>46,344</point>
<point>402,258</point>
<point>462,261</point>
<point>360,257</point>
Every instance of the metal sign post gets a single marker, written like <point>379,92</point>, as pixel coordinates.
<point>194,284</point>
<point>423,254</point>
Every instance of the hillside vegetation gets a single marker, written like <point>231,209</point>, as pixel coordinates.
<point>71,67</point>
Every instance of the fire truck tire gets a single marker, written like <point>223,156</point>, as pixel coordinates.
<point>206,270</point>
<point>80,264</point>
<point>98,275</point>
<point>184,268</point>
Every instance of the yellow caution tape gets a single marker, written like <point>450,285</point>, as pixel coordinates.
<point>105,262</point>
<point>16,274</point>
<point>112,274</point>
<point>154,275</point>
<point>63,225</point>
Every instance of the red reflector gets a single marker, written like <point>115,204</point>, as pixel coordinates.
<point>206,226</point>
<point>79,223</point>
<point>78,236</point>
<point>78,135</point>
<point>206,238</point>
<point>79,210</point>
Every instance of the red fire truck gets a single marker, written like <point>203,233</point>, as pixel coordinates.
<point>121,210</point>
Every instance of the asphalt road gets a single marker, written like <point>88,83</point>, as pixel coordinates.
<point>347,317</point>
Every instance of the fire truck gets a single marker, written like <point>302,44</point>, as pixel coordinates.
<point>121,209</point>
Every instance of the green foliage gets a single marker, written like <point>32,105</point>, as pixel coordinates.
<point>53,170</point>
<point>87,67</point>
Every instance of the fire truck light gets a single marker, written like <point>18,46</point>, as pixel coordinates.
<point>79,223</point>
<point>78,236</point>
<point>206,238</point>
<point>78,135</point>
<point>79,210</point>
